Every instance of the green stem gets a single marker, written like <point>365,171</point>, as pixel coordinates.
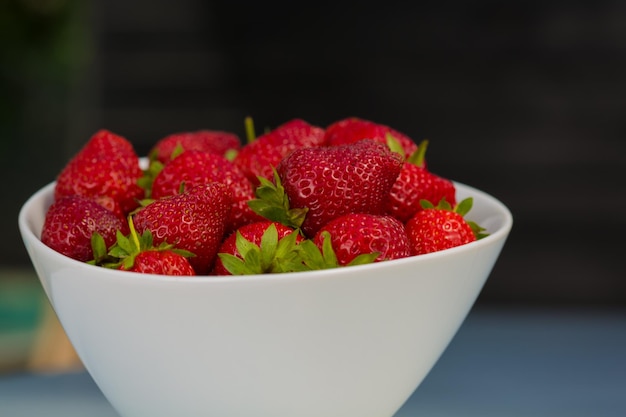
<point>133,233</point>
<point>250,133</point>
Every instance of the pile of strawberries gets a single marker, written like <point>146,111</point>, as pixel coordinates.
<point>296,198</point>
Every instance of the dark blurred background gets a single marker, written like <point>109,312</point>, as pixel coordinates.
<point>524,100</point>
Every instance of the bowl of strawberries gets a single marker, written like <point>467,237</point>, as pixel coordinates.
<point>306,271</point>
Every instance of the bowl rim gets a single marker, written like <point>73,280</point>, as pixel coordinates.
<point>501,233</point>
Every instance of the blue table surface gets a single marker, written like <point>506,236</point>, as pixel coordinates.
<point>502,363</point>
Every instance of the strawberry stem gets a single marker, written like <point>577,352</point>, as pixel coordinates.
<point>250,133</point>
<point>133,232</point>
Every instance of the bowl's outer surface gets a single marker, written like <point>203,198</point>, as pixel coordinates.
<point>350,342</point>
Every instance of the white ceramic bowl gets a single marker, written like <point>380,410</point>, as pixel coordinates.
<point>349,342</point>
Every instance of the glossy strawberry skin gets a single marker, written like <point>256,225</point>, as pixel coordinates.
<point>71,221</point>
<point>337,180</point>
<point>194,221</point>
<point>106,167</point>
<point>196,168</point>
<point>161,262</point>
<point>354,129</point>
<point>413,185</point>
<point>112,205</point>
<point>432,230</point>
<point>213,141</point>
<point>253,233</point>
<point>356,233</point>
<point>259,157</point>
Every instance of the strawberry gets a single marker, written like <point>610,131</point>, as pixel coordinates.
<point>416,183</point>
<point>354,129</point>
<point>355,234</point>
<point>193,221</point>
<point>332,181</point>
<point>194,168</point>
<point>261,155</point>
<point>257,248</point>
<point>442,227</point>
<point>161,262</point>
<point>213,141</point>
<point>107,167</point>
<point>70,223</point>
<point>137,253</point>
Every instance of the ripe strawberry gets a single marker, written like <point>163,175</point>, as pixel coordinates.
<point>354,129</point>
<point>257,248</point>
<point>138,254</point>
<point>106,167</point>
<point>193,221</point>
<point>213,141</point>
<point>260,156</point>
<point>355,234</point>
<point>441,227</point>
<point>337,180</point>
<point>70,223</point>
<point>416,183</point>
<point>194,168</point>
<point>161,262</point>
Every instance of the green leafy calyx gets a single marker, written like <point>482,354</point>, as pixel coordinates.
<point>394,145</point>
<point>418,158</point>
<point>272,203</point>
<point>149,174</point>
<point>272,255</point>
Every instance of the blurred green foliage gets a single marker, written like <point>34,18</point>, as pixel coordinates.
<point>41,42</point>
<point>45,46</point>
<point>42,38</point>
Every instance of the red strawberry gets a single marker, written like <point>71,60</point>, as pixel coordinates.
<point>106,167</point>
<point>440,227</point>
<point>357,233</point>
<point>213,141</point>
<point>257,248</point>
<point>416,183</point>
<point>70,223</point>
<point>354,129</point>
<point>193,221</point>
<point>194,168</point>
<point>138,254</point>
<point>336,180</point>
<point>161,262</point>
<point>259,157</point>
